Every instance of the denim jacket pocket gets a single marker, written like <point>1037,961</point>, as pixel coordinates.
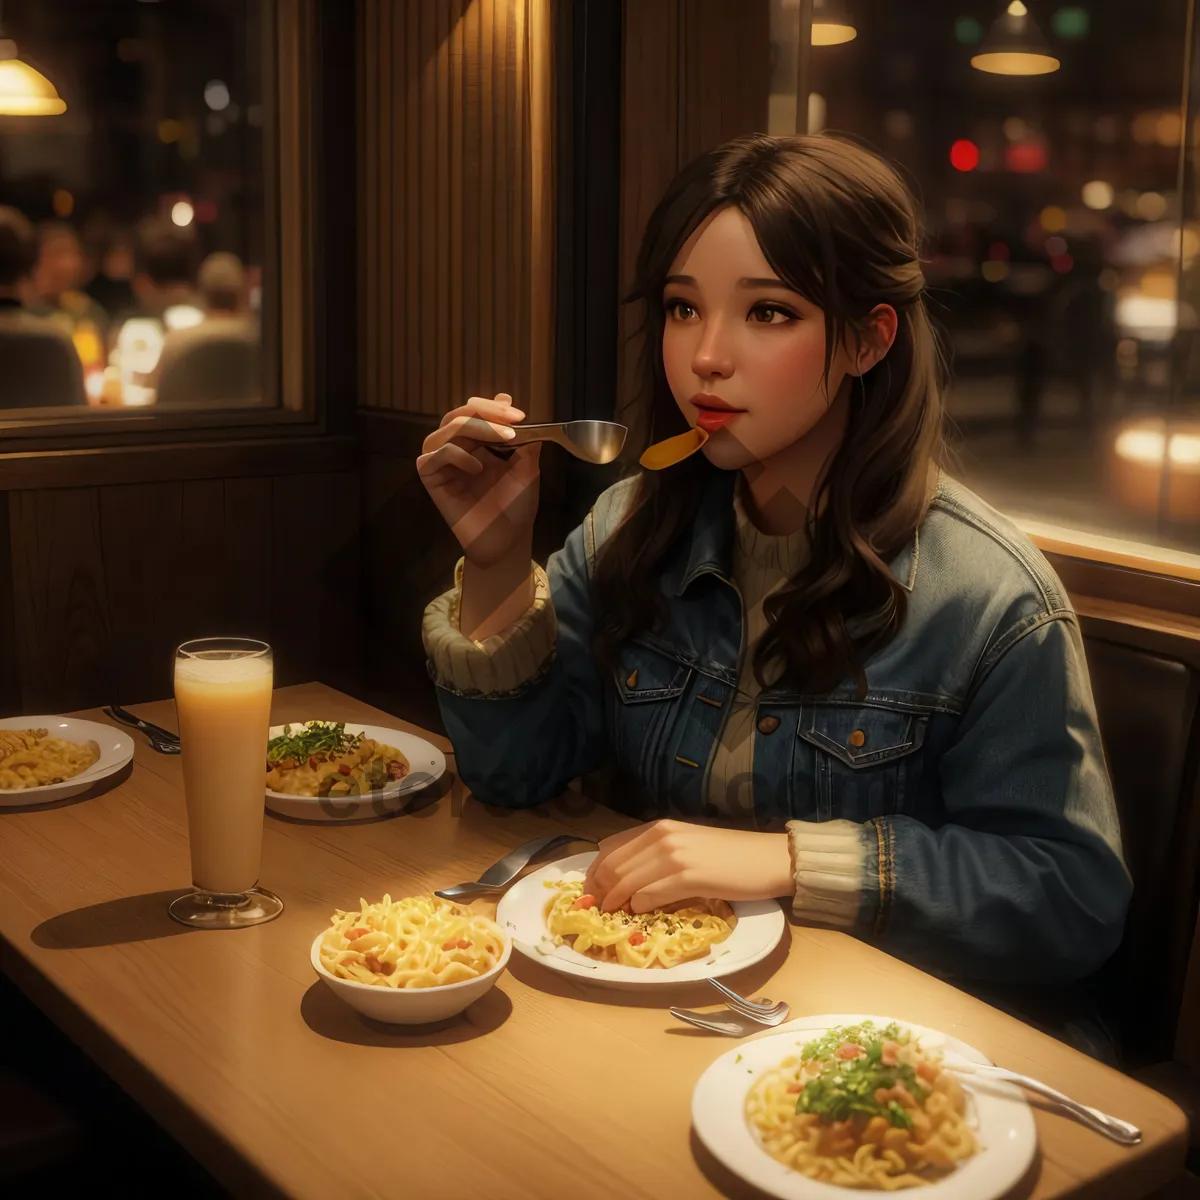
<point>865,759</point>
<point>649,684</point>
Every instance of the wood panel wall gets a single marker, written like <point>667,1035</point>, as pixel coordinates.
<point>457,193</point>
<point>99,584</point>
<point>456,278</point>
<point>695,75</point>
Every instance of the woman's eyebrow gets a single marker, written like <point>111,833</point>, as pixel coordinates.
<point>690,281</point>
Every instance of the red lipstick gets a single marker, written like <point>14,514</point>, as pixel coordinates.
<point>713,412</point>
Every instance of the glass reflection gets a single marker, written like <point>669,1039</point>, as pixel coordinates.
<point>131,225</point>
<point>1064,245</point>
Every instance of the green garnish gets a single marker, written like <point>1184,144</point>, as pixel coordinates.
<point>738,1059</point>
<point>315,738</point>
<point>846,1087</point>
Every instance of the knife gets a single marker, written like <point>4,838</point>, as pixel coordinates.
<point>169,741</point>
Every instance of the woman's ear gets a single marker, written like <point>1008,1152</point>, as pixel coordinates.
<point>879,332</point>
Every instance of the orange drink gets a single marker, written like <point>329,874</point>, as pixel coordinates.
<point>223,690</point>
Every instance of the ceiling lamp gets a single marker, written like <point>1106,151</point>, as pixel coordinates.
<point>1015,46</point>
<point>831,23</point>
<point>24,92</point>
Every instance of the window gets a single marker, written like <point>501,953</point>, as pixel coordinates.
<point>1064,241</point>
<point>134,233</point>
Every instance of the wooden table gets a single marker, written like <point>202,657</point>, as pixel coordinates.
<point>544,1088</point>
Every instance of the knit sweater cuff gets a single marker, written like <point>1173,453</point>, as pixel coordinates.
<point>828,864</point>
<point>500,663</point>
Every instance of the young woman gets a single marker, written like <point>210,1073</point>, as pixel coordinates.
<point>806,622</point>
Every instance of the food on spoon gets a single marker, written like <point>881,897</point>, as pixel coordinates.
<point>673,449</point>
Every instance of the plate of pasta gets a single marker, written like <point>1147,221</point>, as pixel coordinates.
<point>831,1103</point>
<point>334,771</point>
<point>412,960</point>
<point>43,759</point>
<point>553,923</point>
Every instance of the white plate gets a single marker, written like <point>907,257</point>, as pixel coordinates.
<point>116,750</point>
<point>999,1114</point>
<point>426,764</point>
<point>522,913</point>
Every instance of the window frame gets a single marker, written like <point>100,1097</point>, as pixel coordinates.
<point>293,268</point>
<point>1137,574</point>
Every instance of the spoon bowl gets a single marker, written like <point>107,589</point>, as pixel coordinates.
<point>596,442</point>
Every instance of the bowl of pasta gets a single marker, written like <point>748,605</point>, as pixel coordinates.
<point>826,1104</point>
<point>410,961</point>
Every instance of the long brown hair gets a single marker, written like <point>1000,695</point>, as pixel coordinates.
<point>840,228</point>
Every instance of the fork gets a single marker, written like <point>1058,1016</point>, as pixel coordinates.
<point>731,1024</point>
<point>765,1014</point>
<point>1101,1122</point>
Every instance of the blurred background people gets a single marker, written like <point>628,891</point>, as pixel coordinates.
<point>110,253</point>
<point>218,360</point>
<point>38,363</point>
<point>56,292</point>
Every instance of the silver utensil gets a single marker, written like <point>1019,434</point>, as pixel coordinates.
<point>162,740</point>
<point>765,1013</point>
<point>593,441</point>
<point>1102,1122</point>
<point>498,876</point>
<point>729,1023</point>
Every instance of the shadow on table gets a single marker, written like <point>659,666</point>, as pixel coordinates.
<point>422,802</point>
<point>112,923</point>
<point>329,1017</point>
<point>107,784</point>
<point>748,982</point>
<point>735,1188</point>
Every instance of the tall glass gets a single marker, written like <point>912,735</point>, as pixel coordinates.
<point>223,696</point>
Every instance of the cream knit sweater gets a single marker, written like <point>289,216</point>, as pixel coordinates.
<point>828,857</point>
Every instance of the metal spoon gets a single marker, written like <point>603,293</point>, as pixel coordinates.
<point>593,441</point>
<point>498,876</point>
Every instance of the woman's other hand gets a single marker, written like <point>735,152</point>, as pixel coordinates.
<point>661,863</point>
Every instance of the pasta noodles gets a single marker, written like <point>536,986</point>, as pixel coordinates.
<point>417,942</point>
<point>663,938</point>
<point>30,758</point>
<point>322,759</point>
<point>864,1108</point>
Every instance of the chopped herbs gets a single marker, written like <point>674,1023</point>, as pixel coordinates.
<point>317,738</point>
<point>847,1086</point>
<point>738,1059</point>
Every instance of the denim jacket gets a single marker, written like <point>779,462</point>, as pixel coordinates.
<point>973,764</point>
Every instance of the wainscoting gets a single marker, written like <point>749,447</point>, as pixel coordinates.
<point>99,581</point>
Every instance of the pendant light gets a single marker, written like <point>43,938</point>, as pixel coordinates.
<point>1015,46</point>
<point>831,23</point>
<point>24,92</point>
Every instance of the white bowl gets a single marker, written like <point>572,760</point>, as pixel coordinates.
<point>409,1006</point>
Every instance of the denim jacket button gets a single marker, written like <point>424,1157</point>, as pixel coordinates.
<point>768,724</point>
<point>858,738</point>
<point>632,680</point>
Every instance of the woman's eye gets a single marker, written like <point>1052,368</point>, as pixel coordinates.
<point>767,314</point>
<point>681,310</point>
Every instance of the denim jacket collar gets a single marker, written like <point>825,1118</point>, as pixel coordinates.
<point>711,548</point>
